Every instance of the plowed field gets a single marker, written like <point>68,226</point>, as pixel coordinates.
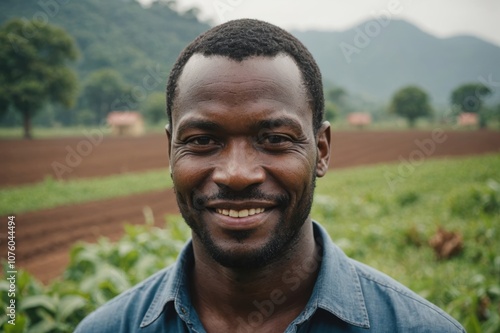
<point>44,237</point>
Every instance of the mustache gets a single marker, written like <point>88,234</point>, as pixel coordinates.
<point>251,193</point>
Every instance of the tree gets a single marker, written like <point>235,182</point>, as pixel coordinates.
<point>335,94</point>
<point>154,108</point>
<point>491,114</point>
<point>331,111</point>
<point>335,103</point>
<point>469,98</point>
<point>103,90</point>
<point>33,68</point>
<point>411,102</point>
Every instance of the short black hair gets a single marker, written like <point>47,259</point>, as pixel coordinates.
<point>240,39</point>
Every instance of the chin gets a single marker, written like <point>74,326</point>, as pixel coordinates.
<point>244,253</point>
<point>244,260</point>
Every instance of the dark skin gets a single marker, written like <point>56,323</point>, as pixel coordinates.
<point>236,127</point>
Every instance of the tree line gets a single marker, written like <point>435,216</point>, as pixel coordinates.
<point>412,102</point>
<point>36,73</point>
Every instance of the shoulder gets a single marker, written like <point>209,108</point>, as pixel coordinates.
<point>388,300</point>
<point>125,312</point>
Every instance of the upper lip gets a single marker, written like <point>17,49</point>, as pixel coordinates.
<point>239,205</point>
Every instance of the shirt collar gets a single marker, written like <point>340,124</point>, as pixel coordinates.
<point>174,288</point>
<point>337,289</point>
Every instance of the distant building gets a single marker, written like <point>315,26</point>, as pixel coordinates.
<point>126,123</point>
<point>359,119</point>
<point>466,119</point>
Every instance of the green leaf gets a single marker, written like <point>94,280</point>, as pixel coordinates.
<point>38,301</point>
<point>68,305</point>
<point>47,324</point>
<point>19,327</point>
<point>4,286</point>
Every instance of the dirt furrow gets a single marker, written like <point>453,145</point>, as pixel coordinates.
<point>45,237</point>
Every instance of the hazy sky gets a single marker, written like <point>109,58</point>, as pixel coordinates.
<point>442,18</point>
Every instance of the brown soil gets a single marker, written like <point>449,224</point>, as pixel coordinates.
<point>44,237</point>
<point>25,161</point>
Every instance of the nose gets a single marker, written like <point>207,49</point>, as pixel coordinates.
<point>239,166</point>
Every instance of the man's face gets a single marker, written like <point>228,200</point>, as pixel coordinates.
<point>244,156</point>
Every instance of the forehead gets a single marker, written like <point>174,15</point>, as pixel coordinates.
<point>220,83</point>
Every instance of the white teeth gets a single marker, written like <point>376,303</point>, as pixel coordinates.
<point>240,213</point>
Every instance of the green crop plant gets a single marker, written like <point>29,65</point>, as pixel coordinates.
<point>387,228</point>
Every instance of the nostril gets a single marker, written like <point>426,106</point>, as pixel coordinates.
<point>238,180</point>
<point>238,166</point>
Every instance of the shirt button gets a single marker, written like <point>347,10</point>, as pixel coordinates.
<point>183,310</point>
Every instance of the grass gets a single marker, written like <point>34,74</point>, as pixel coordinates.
<point>48,132</point>
<point>52,193</point>
<point>71,131</point>
<point>389,228</point>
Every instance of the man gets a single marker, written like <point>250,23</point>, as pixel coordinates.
<point>246,143</point>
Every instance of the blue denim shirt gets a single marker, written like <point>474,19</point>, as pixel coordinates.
<point>347,297</point>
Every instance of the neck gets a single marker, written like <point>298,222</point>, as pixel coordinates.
<point>275,292</point>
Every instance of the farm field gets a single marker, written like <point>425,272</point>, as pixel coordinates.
<point>31,161</point>
<point>91,156</point>
<point>46,235</point>
<point>390,226</point>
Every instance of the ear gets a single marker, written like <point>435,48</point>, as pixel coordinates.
<point>168,131</point>
<point>323,139</point>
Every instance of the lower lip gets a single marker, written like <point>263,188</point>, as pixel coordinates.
<point>241,223</point>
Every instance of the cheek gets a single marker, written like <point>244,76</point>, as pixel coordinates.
<point>294,174</point>
<point>188,174</point>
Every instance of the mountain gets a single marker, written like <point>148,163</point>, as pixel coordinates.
<point>120,34</point>
<point>376,60</point>
<point>371,60</point>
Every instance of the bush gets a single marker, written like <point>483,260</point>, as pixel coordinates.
<point>96,273</point>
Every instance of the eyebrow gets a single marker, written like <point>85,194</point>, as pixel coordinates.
<point>280,122</point>
<point>201,124</point>
<point>211,126</point>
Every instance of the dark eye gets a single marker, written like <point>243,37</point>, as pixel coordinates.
<point>276,139</point>
<point>201,140</point>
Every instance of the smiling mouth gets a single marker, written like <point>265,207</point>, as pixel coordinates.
<point>240,213</point>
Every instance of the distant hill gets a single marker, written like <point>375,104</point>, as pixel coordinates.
<point>120,34</point>
<point>401,54</point>
<point>135,41</point>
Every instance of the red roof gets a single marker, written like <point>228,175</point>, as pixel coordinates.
<point>468,118</point>
<point>359,118</point>
<point>123,118</point>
